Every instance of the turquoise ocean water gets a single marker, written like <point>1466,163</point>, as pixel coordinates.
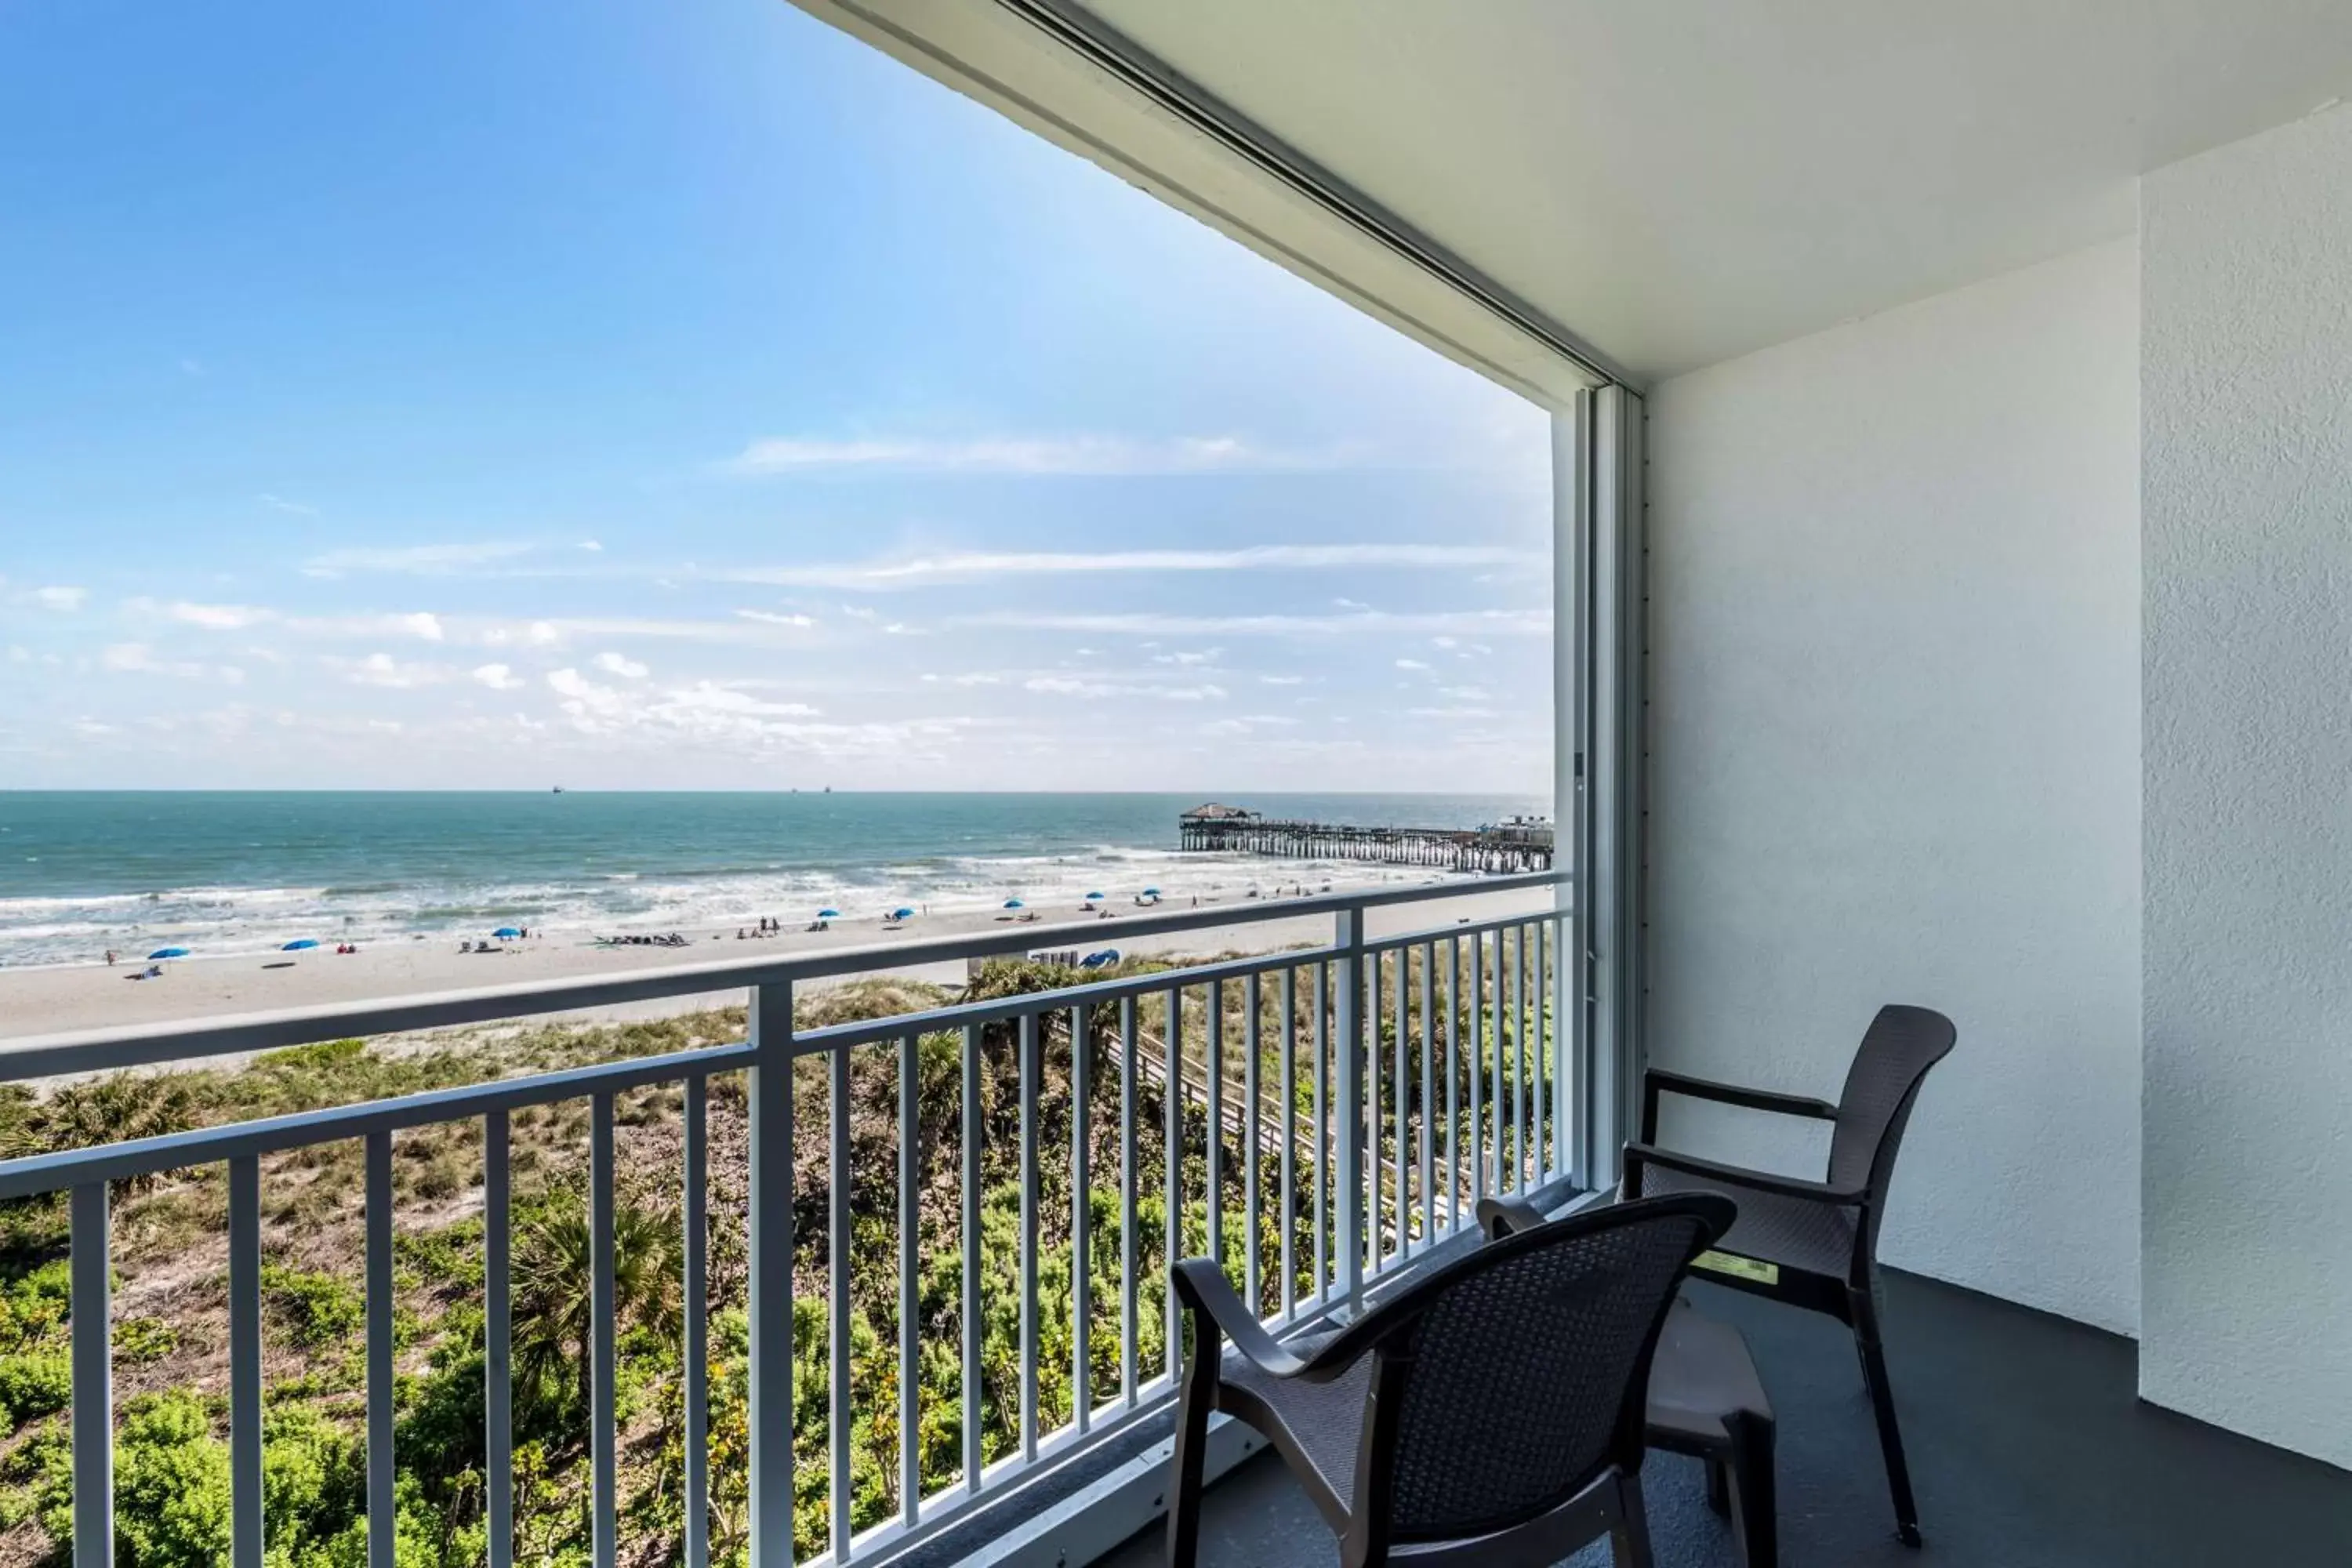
<point>243,871</point>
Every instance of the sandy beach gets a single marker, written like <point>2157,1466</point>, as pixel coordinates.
<point>47,1001</point>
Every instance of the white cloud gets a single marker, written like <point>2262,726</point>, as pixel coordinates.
<point>1247,723</point>
<point>1201,656</point>
<point>902,629</point>
<point>279,503</point>
<point>860,612</point>
<point>1031,455</point>
<point>1411,664</point>
<point>1493,622</point>
<point>1350,604</point>
<point>138,659</point>
<point>1464,712</point>
<point>591,545</point>
<point>498,676</point>
<point>1467,693</point>
<point>627,669</point>
<point>398,675</point>
<point>420,624</point>
<point>414,560</point>
<point>60,598</point>
<point>1073,686</point>
<point>969,566</point>
<point>211,618</point>
<point>1445,642</point>
<point>1282,680</point>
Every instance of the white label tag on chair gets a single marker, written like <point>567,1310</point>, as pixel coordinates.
<point>1742,1268</point>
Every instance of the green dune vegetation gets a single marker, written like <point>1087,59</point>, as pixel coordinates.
<point>171,1270</point>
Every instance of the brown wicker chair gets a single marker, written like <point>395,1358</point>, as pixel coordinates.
<point>1814,1245</point>
<point>1490,1412</point>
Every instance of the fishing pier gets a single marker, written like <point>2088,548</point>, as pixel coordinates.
<point>1521,844</point>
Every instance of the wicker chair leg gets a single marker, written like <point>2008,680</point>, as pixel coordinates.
<point>1881,1407</point>
<point>1630,1540</point>
<point>1192,1441</point>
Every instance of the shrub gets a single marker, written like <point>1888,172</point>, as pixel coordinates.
<point>144,1339</point>
<point>35,1386</point>
<point>316,1309</point>
<point>170,1485</point>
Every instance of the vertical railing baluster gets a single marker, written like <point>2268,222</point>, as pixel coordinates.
<point>1477,1057</point>
<point>604,1408</point>
<point>1531,1048</point>
<point>1453,1083</point>
<point>1428,1084</point>
<point>498,1341</point>
<point>1288,1087</point>
<point>1562,1044</point>
<point>381,1503</point>
<point>1172,1098</point>
<point>1319,1203</point>
<point>1347,1181</point>
<point>1129,1286</point>
<point>245,1361</point>
<point>1501,1095</point>
<point>1027,1067</point>
<point>770,1092</point>
<point>1214,1079</point>
<point>910,1475</point>
<point>1401,1091</point>
<point>839,1179</point>
<point>1082,1304</point>
<point>694,1210</point>
<point>1519,1058</point>
<point>970,1268</point>
<point>92,1413</point>
<point>1252,1125</point>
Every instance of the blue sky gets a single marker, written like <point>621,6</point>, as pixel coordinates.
<point>657,395</point>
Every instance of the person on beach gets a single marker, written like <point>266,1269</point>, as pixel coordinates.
<point>110,958</point>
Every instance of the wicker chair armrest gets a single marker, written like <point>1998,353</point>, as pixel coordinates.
<point>1640,1154</point>
<point>1499,1217</point>
<point>1209,1296</point>
<point>1657,1081</point>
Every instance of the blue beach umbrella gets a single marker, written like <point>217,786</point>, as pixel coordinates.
<point>505,931</point>
<point>168,952</point>
<point>1013,904</point>
<point>299,944</point>
<point>828,914</point>
<point>1094,898</point>
<point>902,914</point>
<point>1151,892</point>
<point>1108,955</point>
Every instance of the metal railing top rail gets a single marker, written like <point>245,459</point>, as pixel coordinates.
<point>148,1045</point>
<point>136,1158</point>
<point>1100,993</point>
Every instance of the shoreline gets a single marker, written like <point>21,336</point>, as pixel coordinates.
<point>57,999</point>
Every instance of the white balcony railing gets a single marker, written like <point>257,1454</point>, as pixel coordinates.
<point>1430,1076</point>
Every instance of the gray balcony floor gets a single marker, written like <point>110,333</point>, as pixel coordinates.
<point>2027,1449</point>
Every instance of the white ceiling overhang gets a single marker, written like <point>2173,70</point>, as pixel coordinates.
<point>1550,190</point>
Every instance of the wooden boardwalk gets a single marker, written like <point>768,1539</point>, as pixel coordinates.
<point>1520,845</point>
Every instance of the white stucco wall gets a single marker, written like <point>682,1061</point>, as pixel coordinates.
<point>2247,396</point>
<point>1895,730</point>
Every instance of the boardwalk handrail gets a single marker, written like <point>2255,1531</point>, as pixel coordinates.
<point>1414,1114</point>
